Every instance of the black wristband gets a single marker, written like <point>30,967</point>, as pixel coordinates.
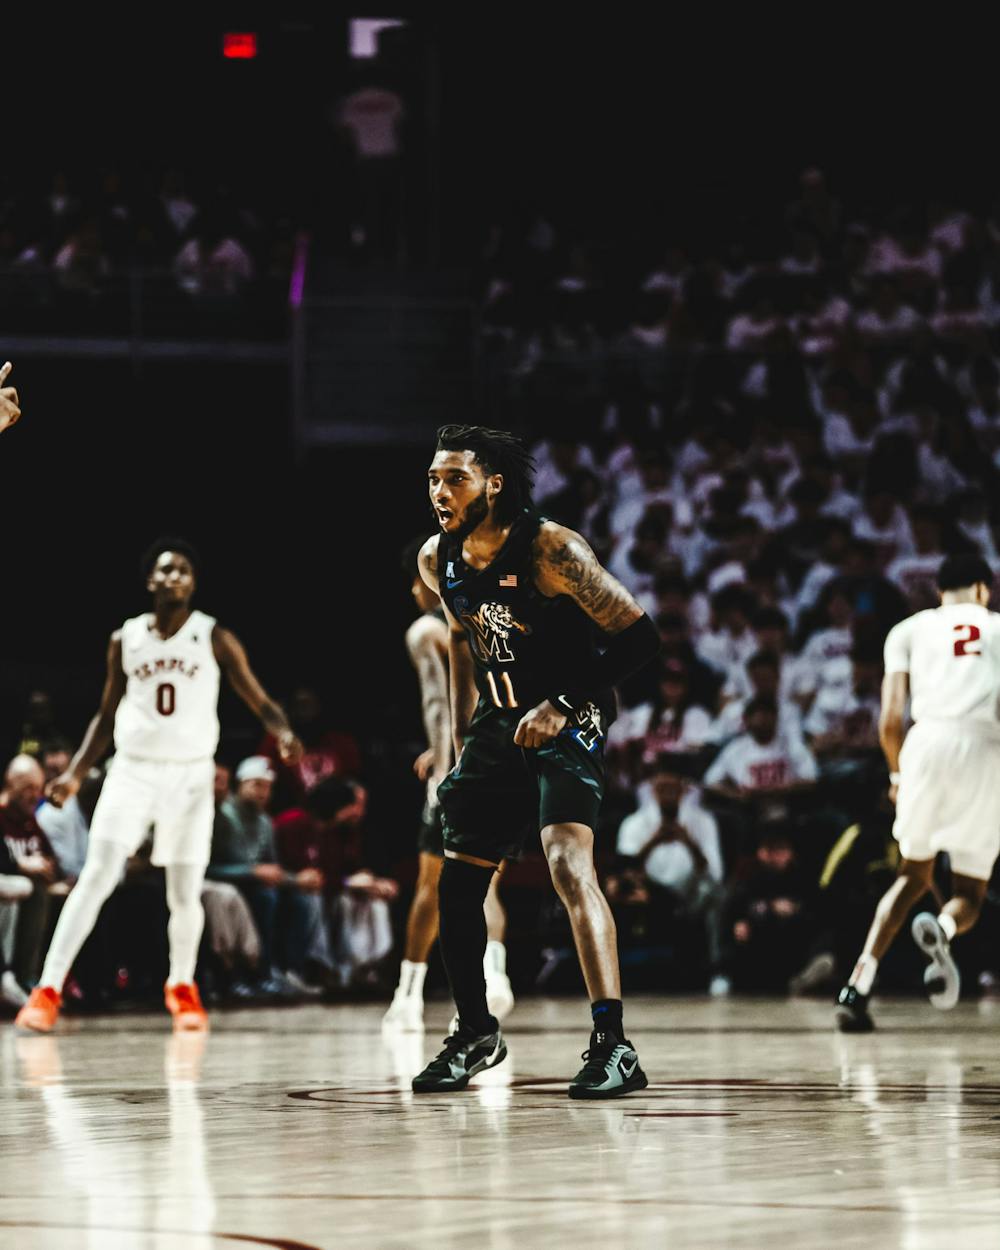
<point>624,654</point>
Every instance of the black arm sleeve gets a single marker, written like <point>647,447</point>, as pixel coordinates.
<point>625,653</point>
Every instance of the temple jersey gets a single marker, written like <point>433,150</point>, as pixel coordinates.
<point>170,709</point>
<point>526,646</point>
<point>952,656</point>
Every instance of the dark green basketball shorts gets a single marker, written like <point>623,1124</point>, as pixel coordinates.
<point>430,838</point>
<point>499,793</point>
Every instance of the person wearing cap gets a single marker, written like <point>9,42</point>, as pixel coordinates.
<point>284,904</point>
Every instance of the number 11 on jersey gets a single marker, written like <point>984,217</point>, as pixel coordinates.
<point>508,686</point>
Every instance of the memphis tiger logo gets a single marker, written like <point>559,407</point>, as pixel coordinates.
<point>491,627</point>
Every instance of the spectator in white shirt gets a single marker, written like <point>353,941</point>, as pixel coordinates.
<point>882,521</point>
<point>849,436</point>
<point>763,673</point>
<point>749,331</point>
<point>916,574</point>
<point>761,763</point>
<point>830,564</point>
<point>833,636</point>
<point>843,721</point>
<point>639,561</point>
<point>730,641</point>
<point>805,258</point>
<point>888,321</point>
<point>213,264</point>
<point>674,843</point>
<point>672,722</point>
<point>973,523</point>
<point>655,490</point>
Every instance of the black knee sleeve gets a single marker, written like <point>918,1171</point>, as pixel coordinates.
<point>461,894</point>
<point>463,886</point>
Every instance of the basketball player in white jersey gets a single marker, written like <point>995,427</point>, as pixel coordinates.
<point>944,779</point>
<point>10,409</point>
<point>160,702</point>
<point>427,645</point>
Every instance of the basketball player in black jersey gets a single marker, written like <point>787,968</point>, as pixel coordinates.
<point>527,605</point>
<point>427,644</point>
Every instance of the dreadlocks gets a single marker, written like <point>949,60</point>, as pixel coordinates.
<point>496,451</point>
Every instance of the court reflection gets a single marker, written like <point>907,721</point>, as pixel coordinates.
<point>124,1160</point>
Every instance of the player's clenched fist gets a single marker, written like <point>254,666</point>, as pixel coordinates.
<point>9,408</point>
<point>289,747</point>
<point>540,725</point>
<point>62,788</point>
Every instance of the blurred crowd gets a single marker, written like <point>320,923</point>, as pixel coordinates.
<point>772,443</point>
<point>75,247</point>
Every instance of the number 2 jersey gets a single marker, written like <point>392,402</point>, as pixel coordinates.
<point>952,656</point>
<point>170,709</point>
<point>526,646</point>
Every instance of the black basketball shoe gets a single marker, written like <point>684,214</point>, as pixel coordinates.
<point>611,1069</point>
<point>464,1055</point>
<point>851,1014</point>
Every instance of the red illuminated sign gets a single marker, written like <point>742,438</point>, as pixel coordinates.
<point>241,46</point>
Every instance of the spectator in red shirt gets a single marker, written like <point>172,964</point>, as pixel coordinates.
<point>325,834</point>
<point>328,752</point>
<point>34,858</point>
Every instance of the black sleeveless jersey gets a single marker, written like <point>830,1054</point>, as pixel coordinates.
<point>526,646</point>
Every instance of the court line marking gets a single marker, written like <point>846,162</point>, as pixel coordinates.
<point>276,1243</point>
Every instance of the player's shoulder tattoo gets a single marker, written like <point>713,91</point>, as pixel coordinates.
<point>428,554</point>
<point>565,564</point>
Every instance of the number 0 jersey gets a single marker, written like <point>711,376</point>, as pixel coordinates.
<point>952,656</point>
<point>170,709</point>
<point>526,646</point>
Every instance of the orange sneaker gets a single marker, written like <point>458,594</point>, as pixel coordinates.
<point>184,1004</point>
<point>40,1012</point>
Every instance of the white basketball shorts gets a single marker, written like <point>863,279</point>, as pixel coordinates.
<point>178,800</point>
<point>949,797</point>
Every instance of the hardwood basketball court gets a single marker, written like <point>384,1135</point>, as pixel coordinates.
<point>296,1128</point>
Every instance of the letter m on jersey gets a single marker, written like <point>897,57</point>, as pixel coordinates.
<point>490,627</point>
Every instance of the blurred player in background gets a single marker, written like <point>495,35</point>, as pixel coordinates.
<point>160,703</point>
<point>427,645</point>
<point>943,778</point>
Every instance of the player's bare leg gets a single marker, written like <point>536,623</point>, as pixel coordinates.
<point>913,881</point>
<point>569,850</point>
<point>611,1065</point>
<point>422,924</point>
<point>499,995</point>
<point>966,902</point>
<point>406,1011</point>
<point>934,934</point>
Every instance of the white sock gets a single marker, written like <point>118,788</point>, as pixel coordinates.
<point>863,976</point>
<point>411,978</point>
<point>495,959</point>
<point>947,922</point>
<point>187,919</point>
<point>101,873</point>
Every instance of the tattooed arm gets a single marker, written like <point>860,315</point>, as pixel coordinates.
<point>461,671</point>
<point>565,565</point>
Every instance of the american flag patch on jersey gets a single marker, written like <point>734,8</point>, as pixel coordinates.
<point>509,580</point>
